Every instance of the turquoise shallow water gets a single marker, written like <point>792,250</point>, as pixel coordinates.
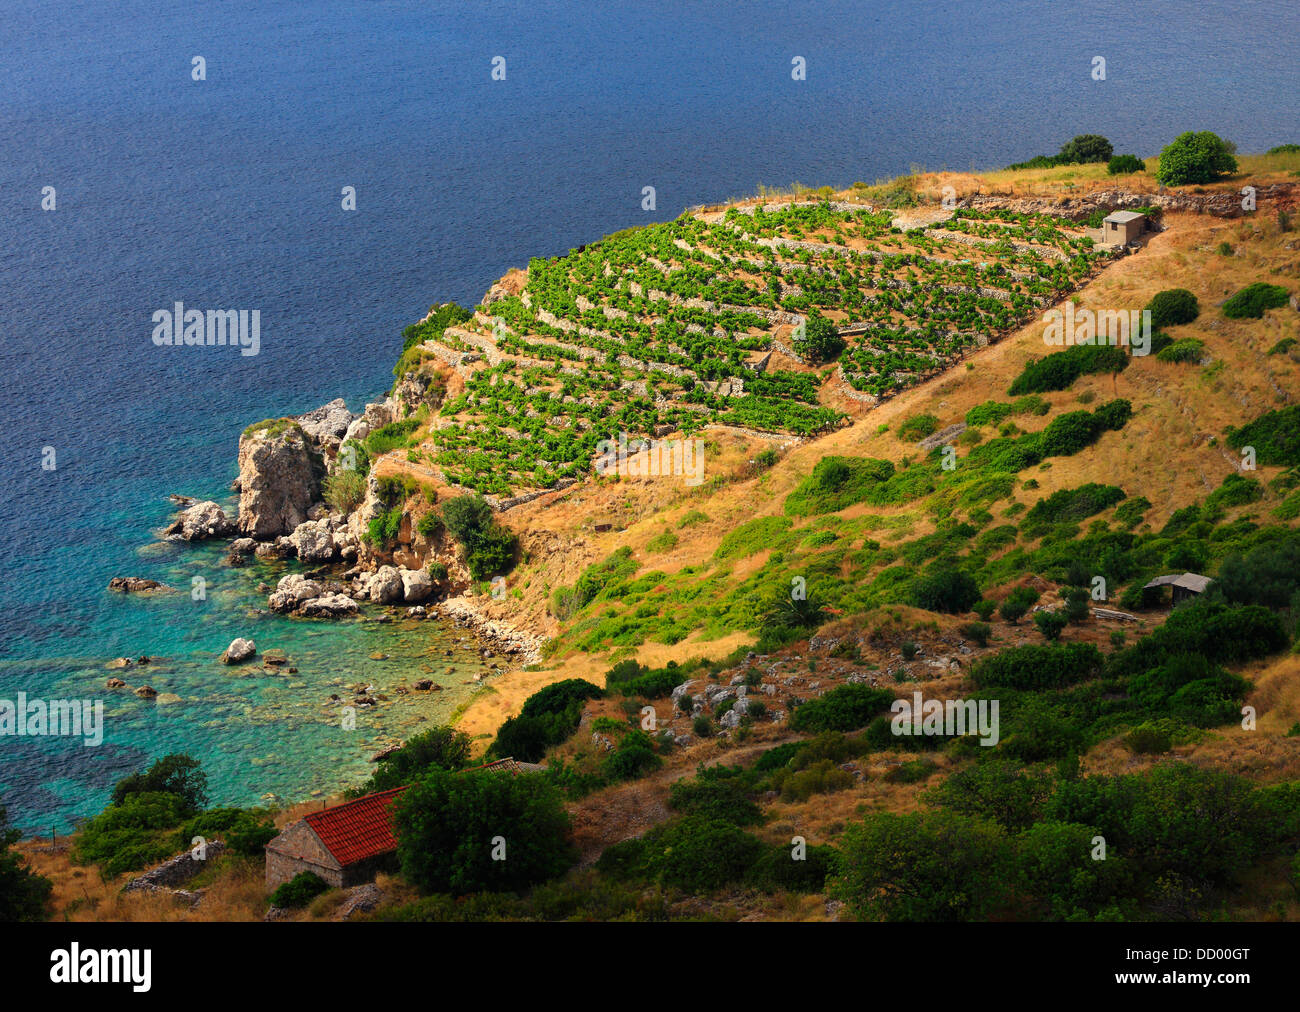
<point>265,734</point>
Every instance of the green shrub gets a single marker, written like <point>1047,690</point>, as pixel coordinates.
<point>1124,164</point>
<point>714,797</point>
<point>1173,306</point>
<point>699,854</point>
<point>1254,300</point>
<point>977,631</point>
<point>944,586</point>
<point>1085,148</point>
<point>1068,506</point>
<point>1060,369</point>
<point>246,831</point>
<point>1195,157</point>
<point>429,525</point>
<point>548,717</point>
<point>489,547</point>
<point>777,869</point>
<point>835,484</point>
<point>176,774</point>
<point>393,436</point>
<point>1147,739</point>
<point>299,890</point>
<point>24,895</point>
<point>923,866</point>
<point>1274,435</point>
<point>1183,351</point>
<point>133,833</point>
<point>439,748</point>
<point>821,342</point>
<point>344,490</point>
<point>664,542</point>
<point>841,709</point>
<point>1050,623</point>
<point>918,427</point>
<point>1236,490</point>
<point>1038,667</point>
<point>1017,602</point>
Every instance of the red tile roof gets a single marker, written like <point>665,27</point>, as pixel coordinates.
<point>363,828</point>
<point>358,830</point>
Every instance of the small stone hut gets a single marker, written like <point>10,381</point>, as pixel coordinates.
<point>1123,227</point>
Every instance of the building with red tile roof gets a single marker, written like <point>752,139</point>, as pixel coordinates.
<point>348,844</point>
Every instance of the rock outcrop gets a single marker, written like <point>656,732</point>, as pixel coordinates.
<point>280,471</point>
<point>292,592</point>
<point>416,585</point>
<point>327,426</point>
<point>314,541</point>
<point>202,520</point>
<point>385,586</point>
<point>329,606</point>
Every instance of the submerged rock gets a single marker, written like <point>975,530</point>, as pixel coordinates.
<point>134,584</point>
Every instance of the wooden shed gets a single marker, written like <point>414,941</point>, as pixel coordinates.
<point>1186,587</point>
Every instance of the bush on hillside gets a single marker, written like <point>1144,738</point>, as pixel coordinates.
<point>1086,148</point>
<point>1038,667</point>
<point>841,709</point>
<point>1172,307</point>
<point>1124,164</point>
<point>1060,369</point>
<point>1274,435</point>
<point>1254,300</point>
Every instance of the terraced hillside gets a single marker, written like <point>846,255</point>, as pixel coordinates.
<point>730,318</point>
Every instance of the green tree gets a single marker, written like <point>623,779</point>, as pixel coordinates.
<point>440,748</point>
<point>177,774</point>
<point>1195,157</point>
<point>821,341</point>
<point>1086,148</point>
<point>481,832</point>
<point>24,895</point>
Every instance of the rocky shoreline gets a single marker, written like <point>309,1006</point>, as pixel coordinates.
<point>284,465</point>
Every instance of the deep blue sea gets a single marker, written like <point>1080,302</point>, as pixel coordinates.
<point>226,193</point>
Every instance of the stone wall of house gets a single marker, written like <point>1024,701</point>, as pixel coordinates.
<point>298,849</point>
